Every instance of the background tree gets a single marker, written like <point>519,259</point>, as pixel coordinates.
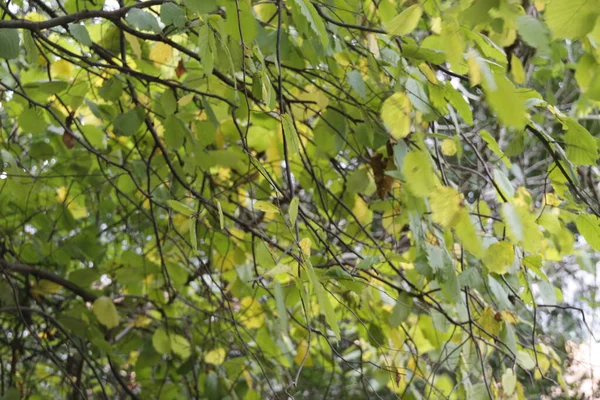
<point>242,199</point>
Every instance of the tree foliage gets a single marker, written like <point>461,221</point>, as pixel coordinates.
<point>250,199</point>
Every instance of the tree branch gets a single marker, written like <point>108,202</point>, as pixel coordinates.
<point>76,17</point>
<point>40,273</point>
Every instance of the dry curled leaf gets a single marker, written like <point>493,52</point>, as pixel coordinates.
<point>180,70</point>
<point>69,140</point>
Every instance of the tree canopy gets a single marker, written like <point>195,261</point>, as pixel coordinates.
<point>251,199</point>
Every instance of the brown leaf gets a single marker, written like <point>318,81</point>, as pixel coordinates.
<point>69,140</point>
<point>384,182</point>
<point>180,70</point>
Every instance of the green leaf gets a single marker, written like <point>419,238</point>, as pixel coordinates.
<point>176,131</point>
<point>106,312</point>
<point>111,89</point>
<point>525,360</point>
<point>32,121</point>
<point>193,238</point>
<point>571,19</point>
<point>457,101</point>
<point>547,293</point>
<point>172,14</point>
<point>355,80</point>
<point>504,183</point>
<point>495,147</point>
<point>128,123</point>
<point>418,172</point>
<point>401,310</point>
<point>180,346</point>
<point>506,101</point>
<point>581,147</point>
<point>405,22</point>
<point>293,210</point>
<point>9,43</point>
<point>509,381</point>
<point>314,20</point>
<point>323,299</point>
<point>513,222</point>
<point>161,342</point>
<point>142,20</point>
<point>221,216</point>
<point>181,208</point>
<point>534,33</point>
<point>81,34</point>
<point>589,227</point>
<point>201,6</point>
<point>291,136</point>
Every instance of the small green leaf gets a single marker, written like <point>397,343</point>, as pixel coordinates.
<point>291,136</point>
<point>509,382</point>
<point>172,14</point>
<point>405,22</point>
<point>504,183</point>
<point>293,210</point>
<point>513,222</point>
<point>142,20</point>
<point>401,310</point>
<point>221,216</point>
<point>128,123</point>
<point>418,172</point>
<point>106,312</point>
<point>81,34</point>
<point>9,43</point>
<point>180,346</point>
<point>193,238</point>
<point>581,147</point>
<point>265,206</point>
<point>176,131</point>
<point>525,360</point>
<point>589,227</point>
<point>181,208</point>
<point>161,342</point>
<point>314,20</point>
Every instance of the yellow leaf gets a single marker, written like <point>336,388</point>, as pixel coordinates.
<point>216,356</point>
<point>141,321</point>
<point>474,70</point>
<point>395,114</point>
<point>449,147</point>
<point>499,257</point>
<point>62,68</point>
<point>45,287</point>
<point>305,246</point>
<point>467,235</point>
<point>517,71</point>
<point>446,206</point>
<point>253,315</point>
<point>509,317</point>
<point>362,212</point>
<point>135,45</point>
<point>266,206</point>
<point>185,100</point>
<point>161,53</point>
<point>301,352</point>
<point>488,321</point>
<point>428,72</point>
